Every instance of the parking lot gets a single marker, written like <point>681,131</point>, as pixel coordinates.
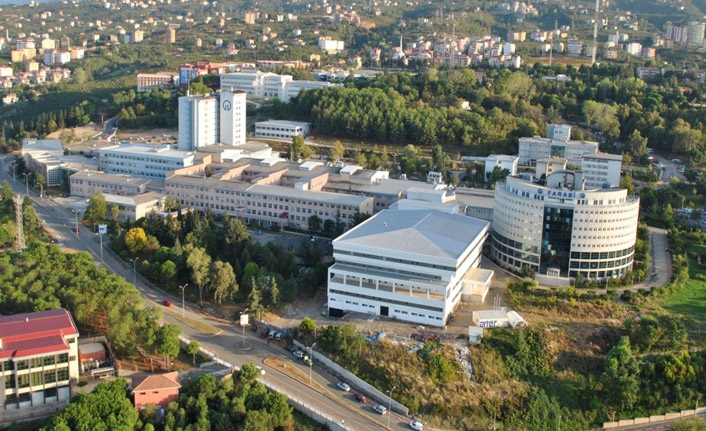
<point>290,241</point>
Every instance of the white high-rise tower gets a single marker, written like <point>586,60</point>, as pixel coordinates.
<point>232,113</point>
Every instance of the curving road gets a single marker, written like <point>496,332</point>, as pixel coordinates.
<point>336,404</point>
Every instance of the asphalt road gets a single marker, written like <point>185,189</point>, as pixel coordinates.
<point>340,406</point>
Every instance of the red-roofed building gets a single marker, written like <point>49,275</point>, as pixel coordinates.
<point>157,389</point>
<point>38,358</point>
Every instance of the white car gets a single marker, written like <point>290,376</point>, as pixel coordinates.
<point>416,425</point>
<point>259,368</point>
<point>380,409</point>
<point>345,387</point>
<point>298,354</point>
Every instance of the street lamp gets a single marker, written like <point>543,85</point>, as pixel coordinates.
<point>183,288</point>
<point>311,361</point>
<point>26,174</point>
<point>242,325</point>
<point>76,213</point>
<point>134,271</point>
<point>389,407</point>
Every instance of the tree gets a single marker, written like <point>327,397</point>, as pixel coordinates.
<point>193,349</point>
<point>298,149</point>
<point>199,262</point>
<point>688,424</point>
<point>336,152</point>
<point>114,211</point>
<point>168,271</point>
<point>314,223</point>
<point>274,292</point>
<point>668,214</point>
<point>637,145</point>
<point>39,182</point>
<point>168,341</point>
<point>627,183</point>
<point>254,297</point>
<point>97,208</point>
<point>307,325</point>
<point>135,239</point>
<point>32,224</point>
<point>620,379</point>
<point>222,281</point>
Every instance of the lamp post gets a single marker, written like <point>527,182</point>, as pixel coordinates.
<point>26,174</point>
<point>389,407</point>
<point>183,288</point>
<point>76,213</point>
<point>242,325</point>
<point>613,417</point>
<point>134,271</point>
<point>311,361</point>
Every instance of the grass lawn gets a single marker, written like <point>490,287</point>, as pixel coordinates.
<point>689,300</point>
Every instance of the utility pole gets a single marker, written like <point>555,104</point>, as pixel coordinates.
<point>76,213</point>
<point>311,361</point>
<point>134,271</point>
<point>389,407</point>
<point>26,174</point>
<point>183,288</point>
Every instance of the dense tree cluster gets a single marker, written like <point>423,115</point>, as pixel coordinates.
<point>44,278</point>
<point>218,259</point>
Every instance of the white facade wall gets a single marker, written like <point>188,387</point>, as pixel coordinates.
<point>198,122</point>
<point>281,129</point>
<point>143,160</point>
<point>261,84</point>
<point>599,171</point>
<point>232,118</point>
<point>531,149</point>
<point>503,162</point>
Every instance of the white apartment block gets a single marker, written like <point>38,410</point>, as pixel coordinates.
<point>695,33</point>
<point>270,85</point>
<point>633,48</point>
<point>53,57</point>
<point>83,183</point>
<point>561,230</point>
<point>329,45</point>
<point>532,149</point>
<point>159,80</point>
<point>144,161</point>
<point>601,170</point>
<point>38,359</point>
<point>280,129</point>
<point>411,265</point>
<point>199,122</point>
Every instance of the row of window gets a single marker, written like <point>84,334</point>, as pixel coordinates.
<point>602,255</point>
<point>38,378</point>
<point>391,259</point>
<point>388,301</point>
<point>143,159</point>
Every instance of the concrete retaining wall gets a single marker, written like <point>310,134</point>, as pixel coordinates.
<point>656,418</point>
<point>354,381</point>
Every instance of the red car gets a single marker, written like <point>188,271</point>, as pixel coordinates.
<point>264,333</point>
<point>253,328</point>
<point>361,398</point>
<point>168,303</point>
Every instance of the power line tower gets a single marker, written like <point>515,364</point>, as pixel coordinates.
<point>18,222</point>
<point>595,34</point>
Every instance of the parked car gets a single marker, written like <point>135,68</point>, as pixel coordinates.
<point>298,354</point>
<point>253,328</point>
<point>279,336</point>
<point>416,425</point>
<point>272,334</point>
<point>259,368</point>
<point>345,387</point>
<point>265,333</point>
<point>291,348</point>
<point>168,303</point>
<point>307,360</point>
<point>380,409</point>
<point>361,398</point>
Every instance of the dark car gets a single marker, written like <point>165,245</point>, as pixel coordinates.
<point>290,348</point>
<point>265,333</point>
<point>253,328</point>
<point>360,397</point>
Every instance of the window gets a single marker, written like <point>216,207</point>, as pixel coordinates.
<point>62,374</point>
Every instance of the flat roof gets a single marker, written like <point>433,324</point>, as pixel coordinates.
<point>109,178</point>
<point>29,334</point>
<point>283,123</point>
<point>48,145</point>
<point>133,200</point>
<point>424,232</point>
<point>311,195</point>
<point>163,151</point>
<point>604,156</point>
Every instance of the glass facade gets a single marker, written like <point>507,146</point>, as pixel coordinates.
<point>556,239</point>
